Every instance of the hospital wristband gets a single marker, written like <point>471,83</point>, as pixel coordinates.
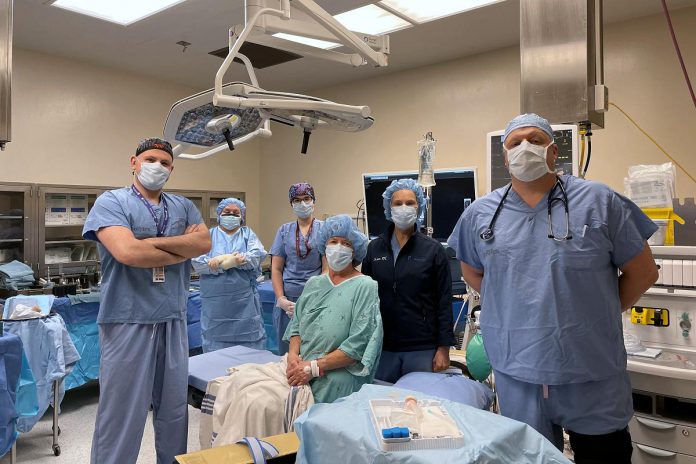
<point>315,368</point>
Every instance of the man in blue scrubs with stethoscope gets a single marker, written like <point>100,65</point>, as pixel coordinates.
<point>544,252</point>
<point>146,239</point>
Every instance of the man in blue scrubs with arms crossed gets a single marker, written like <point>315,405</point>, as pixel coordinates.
<point>145,238</point>
<point>552,297</point>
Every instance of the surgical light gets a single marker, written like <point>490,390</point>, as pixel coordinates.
<point>422,11</point>
<point>372,19</point>
<point>307,41</point>
<point>237,112</point>
<point>123,12</point>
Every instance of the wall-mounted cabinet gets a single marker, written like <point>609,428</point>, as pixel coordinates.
<point>212,201</point>
<point>41,225</point>
<point>16,225</point>
<point>61,248</point>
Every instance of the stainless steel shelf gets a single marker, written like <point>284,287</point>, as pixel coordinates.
<point>62,242</point>
<point>674,251</point>
<point>11,240</point>
<point>12,217</point>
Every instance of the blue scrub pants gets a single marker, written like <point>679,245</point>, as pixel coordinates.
<point>593,413</point>
<point>280,323</point>
<point>141,365</point>
<point>395,364</point>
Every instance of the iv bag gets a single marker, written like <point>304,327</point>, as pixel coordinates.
<point>426,155</point>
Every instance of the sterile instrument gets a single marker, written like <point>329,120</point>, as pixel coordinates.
<point>413,424</point>
<point>234,113</point>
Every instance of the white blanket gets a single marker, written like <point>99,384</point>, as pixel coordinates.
<point>250,401</point>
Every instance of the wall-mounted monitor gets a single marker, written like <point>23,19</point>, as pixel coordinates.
<point>565,136</point>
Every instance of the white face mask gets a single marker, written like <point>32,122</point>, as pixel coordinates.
<point>404,216</point>
<point>153,176</point>
<point>339,256</point>
<point>527,162</point>
<point>303,209</point>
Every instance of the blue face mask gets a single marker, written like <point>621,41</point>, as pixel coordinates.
<point>303,209</point>
<point>230,222</point>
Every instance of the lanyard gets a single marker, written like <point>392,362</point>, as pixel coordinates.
<point>161,225</point>
<point>297,240</point>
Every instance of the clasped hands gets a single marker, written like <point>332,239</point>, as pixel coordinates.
<point>227,261</point>
<point>296,371</point>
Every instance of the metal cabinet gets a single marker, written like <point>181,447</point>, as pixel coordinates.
<point>41,225</point>
<point>16,224</point>
<point>212,200</point>
<point>663,428</point>
<point>207,202</point>
<point>61,214</point>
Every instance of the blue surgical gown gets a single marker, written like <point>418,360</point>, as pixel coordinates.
<point>551,312</point>
<point>128,294</point>
<point>231,311</point>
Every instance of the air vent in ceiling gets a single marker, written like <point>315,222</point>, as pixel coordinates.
<point>261,56</point>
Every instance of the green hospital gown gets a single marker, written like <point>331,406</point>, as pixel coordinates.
<point>345,317</point>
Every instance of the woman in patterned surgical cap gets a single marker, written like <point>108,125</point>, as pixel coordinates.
<point>295,257</point>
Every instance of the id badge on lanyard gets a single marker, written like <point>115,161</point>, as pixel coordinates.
<point>157,272</point>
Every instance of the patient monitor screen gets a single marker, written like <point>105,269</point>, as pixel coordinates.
<point>455,189</point>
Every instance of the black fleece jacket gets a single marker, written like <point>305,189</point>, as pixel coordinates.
<point>415,296</point>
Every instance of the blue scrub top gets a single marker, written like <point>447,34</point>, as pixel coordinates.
<point>551,312</point>
<point>297,271</point>
<point>128,294</point>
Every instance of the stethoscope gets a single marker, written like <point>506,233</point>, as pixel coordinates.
<point>487,234</point>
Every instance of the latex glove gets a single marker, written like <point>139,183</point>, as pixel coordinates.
<point>214,263</point>
<point>286,305</point>
<point>234,260</point>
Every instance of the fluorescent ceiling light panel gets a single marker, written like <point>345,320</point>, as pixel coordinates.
<point>423,11</point>
<point>307,41</point>
<point>123,12</point>
<point>372,19</point>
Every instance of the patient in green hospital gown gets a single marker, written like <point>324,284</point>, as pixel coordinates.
<point>335,334</point>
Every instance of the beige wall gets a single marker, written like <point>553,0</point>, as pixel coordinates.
<point>462,100</point>
<point>76,123</point>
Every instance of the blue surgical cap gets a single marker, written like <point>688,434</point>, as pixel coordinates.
<point>232,201</point>
<point>528,120</point>
<point>404,184</point>
<point>343,226</point>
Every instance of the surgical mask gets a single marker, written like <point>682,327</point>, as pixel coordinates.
<point>404,216</point>
<point>230,222</point>
<point>153,176</point>
<point>527,162</point>
<point>303,209</point>
<point>338,256</point>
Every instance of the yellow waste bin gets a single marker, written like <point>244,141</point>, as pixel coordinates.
<point>667,214</point>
